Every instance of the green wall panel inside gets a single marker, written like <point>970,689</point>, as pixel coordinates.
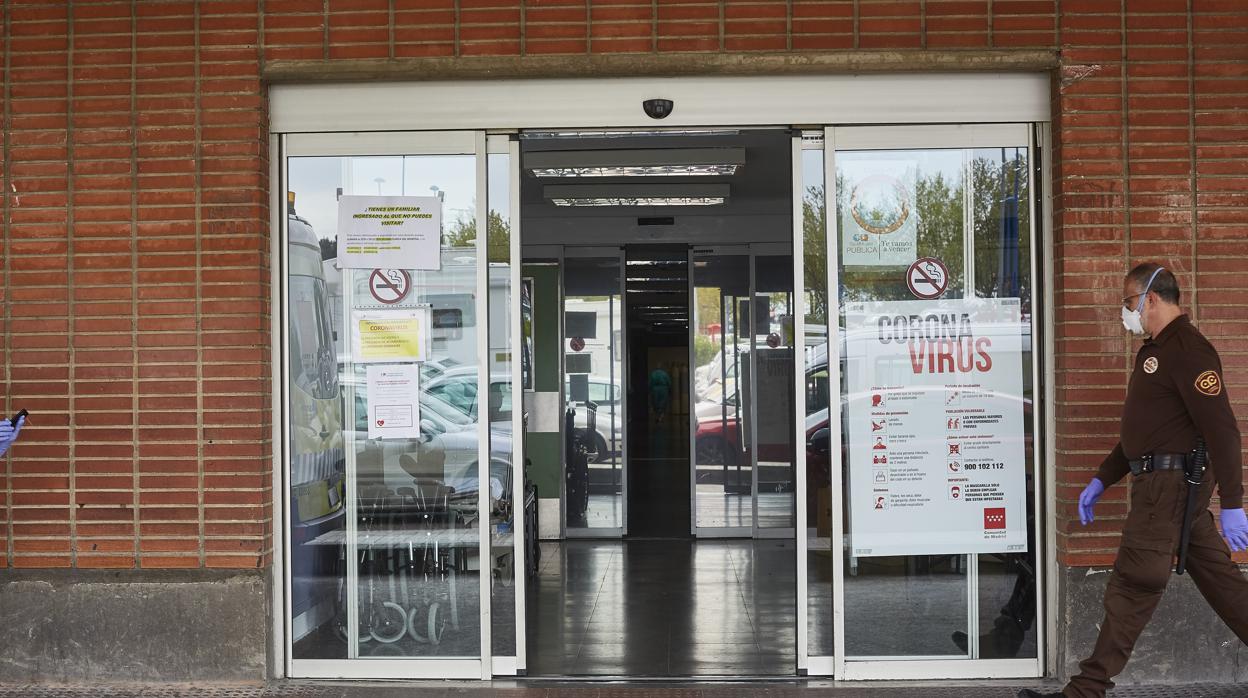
<point>544,449</point>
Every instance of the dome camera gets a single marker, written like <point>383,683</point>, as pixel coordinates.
<point>658,108</point>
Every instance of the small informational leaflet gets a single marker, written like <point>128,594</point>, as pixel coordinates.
<point>936,427</point>
<point>879,219</point>
<point>390,232</point>
<point>394,401</point>
<point>401,335</point>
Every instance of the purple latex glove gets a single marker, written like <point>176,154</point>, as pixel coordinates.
<point>1087,500</point>
<point>1235,529</point>
<point>8,432</point>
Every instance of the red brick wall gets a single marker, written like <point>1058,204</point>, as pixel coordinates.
<point>1151,139</point>
<point>136,227</point>
<point>136,286</point>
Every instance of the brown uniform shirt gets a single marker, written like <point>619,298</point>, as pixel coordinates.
<point>1176,394</point>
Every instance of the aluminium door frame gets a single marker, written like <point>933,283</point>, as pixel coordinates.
<point>953,136</point>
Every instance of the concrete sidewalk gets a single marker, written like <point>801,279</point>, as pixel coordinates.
<point>540,689</point>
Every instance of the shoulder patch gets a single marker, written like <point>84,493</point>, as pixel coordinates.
<point>1209,383</point>
<point>1150,364</point>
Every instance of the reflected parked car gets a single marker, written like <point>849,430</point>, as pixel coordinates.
<point>458,387</point>
<point>609,421</point>
<point>447,451</point>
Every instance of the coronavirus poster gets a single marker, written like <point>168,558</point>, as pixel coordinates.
<point>936,417</point>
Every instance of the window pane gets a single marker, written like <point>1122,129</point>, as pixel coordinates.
<point>594,318</point>
<point>502,509</point>
<point>773,390</point>
<point>416,550</point>
<point>818,462</point>
<point>953,388</point>
<point>724,482</point>
<point>1007,581</point>
<point>908,604</point>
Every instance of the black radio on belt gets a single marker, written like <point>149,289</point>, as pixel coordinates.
<point>1158,461</point>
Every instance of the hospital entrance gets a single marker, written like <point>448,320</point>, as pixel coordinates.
<point>666,402</point>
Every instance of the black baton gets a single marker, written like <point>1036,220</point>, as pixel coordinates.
<point>1193,473</point>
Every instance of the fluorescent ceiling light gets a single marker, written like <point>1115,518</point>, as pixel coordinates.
<point>629,133</point>
<point>638,171</point>
<point>651,162</point>
<point>636,194</point>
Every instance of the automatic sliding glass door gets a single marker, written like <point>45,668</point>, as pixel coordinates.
<point>721,468</point>
<point>925,392</point>
<point>594,426</point>
<point>770,391</point>
<point>742,350</point>
<point>400,468</point>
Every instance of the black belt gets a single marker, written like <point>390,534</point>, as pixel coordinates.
<point>1158,461</point>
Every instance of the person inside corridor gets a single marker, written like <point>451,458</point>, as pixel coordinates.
<point>660,392</point>
<point>9,431</point>
<point>1175,396</point>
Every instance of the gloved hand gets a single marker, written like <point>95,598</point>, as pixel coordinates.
<point>1087,500</point>
<point>8,433</point>
<point>1235,528</point>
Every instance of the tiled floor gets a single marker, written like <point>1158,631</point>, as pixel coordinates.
<point>663,608</point>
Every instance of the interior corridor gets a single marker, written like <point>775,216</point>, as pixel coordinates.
<point>663,608</point>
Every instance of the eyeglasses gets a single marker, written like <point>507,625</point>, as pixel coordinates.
<point>1126,302</point>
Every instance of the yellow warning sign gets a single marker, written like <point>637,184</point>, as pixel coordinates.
<point>391,336</point>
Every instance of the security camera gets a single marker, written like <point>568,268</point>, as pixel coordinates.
<point>658,108</point>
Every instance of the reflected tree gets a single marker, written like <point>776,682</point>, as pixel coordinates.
<point>463,233</point>
<point>1000,219</point>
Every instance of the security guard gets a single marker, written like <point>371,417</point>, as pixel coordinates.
<point>1175,396</point>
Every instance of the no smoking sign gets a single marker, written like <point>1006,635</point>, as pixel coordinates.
<point>927,278</point>
<point>389,286</point>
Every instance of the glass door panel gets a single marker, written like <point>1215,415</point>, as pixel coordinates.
<point>506,495</point>
<point>386,527</point>
<point>594,420</point>
<point>771,391</point>
<point>819,391</point>
<point>723,482</point>
<point>1007,583</point>
<point>418,522</point>
<point>935,370</point>
<point>934,588</point>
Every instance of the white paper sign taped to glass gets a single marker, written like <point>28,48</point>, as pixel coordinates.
<point>879,218</point>
<point>391,336</point>
<point>390,232</point>
<point>936,427</point>
<point>393,401</point>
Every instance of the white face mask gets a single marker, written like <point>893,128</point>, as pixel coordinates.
<point>1133,321</point>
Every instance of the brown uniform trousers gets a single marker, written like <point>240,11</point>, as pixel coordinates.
<point>1150,540</point>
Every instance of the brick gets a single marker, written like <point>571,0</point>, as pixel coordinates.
<point>169,221</point>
